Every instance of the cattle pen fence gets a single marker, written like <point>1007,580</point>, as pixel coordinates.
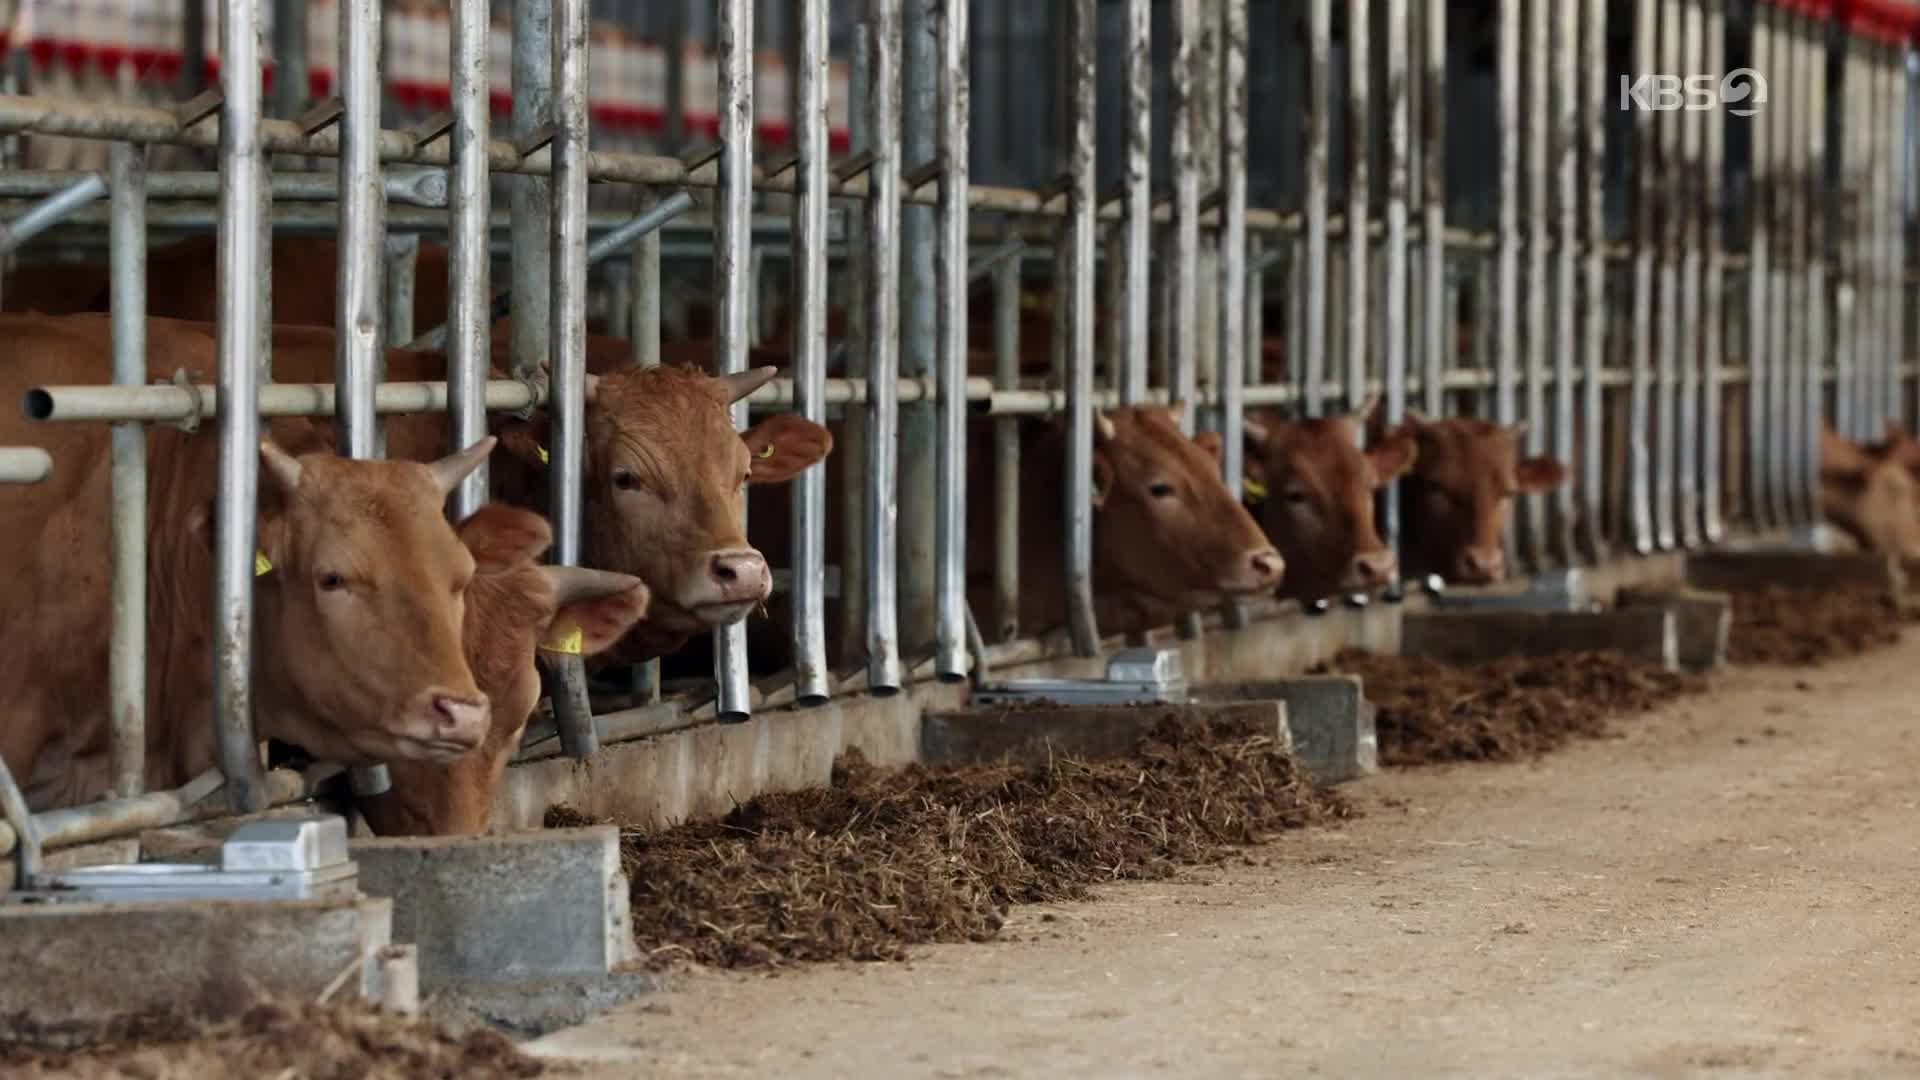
<point>1673,282</point>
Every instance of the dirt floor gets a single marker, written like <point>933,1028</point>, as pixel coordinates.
<point>1726,885</point>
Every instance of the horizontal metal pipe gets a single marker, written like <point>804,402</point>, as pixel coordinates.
<point>648,220</point>
<point>181,404</point>
<point>51,211</point>
<point>423,187</point>
<point>24,465</point>
<point>191,801</point>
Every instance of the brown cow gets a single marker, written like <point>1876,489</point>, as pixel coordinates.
<point>357,647</point>
<point>1314,489</point>
<point>514,606</point>
<point>1459,494</point>
<point>1870,493</point>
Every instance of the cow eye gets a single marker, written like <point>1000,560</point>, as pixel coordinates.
<point>625,480</point>
<point>1297,496</point>
<point>332,582</point>
<point>1161,490</point>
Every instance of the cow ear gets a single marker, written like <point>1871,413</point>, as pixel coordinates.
<point>1102,477</point>
<point>598,605</point>
<point>1896,431</point>
<point>526,440</point>
<point>1842,462</point>
<point>1393,456</point>
<point>502,537</point>
<point>1540,474</point>
<point>780,446</point>
<point>1210,442</point>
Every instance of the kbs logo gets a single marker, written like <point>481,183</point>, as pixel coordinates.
<point>1742,91</point>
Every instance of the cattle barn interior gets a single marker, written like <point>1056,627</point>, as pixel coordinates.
<point>1239,330</point>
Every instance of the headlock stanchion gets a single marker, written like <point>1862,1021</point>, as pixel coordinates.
<point>1677,333</point>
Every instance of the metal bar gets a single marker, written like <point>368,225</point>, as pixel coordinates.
<point>643,287</point>
<point>1359,147</point>
<point>75,825</point>
<point>883,345</point>
<point>1231,378</point>
<point>1531,539</point>
<point>50,211</point>
<point>809,268</point>
<point>22,831</point>
<point>1667,317</point>
<point>289,57</point>
<point>1185,166</point>
<point>1433,205</point>
<point>127,643</point>
<point>242,168</point>
<point>733,243</point>
<point>916,498</point>
<point>1846,230</point>
<point>1394,358</point>
<point>26,465</point>
<point>1816,344</point>
<point>1758,195</point>
<point>530,197</point>
<point>852,440</point>
<point>1319,161</point>
<point>1566,144</point>
<point>414,187</point>
<point>1507,155</point>
<point>1779,267</point>
<point>177,404</point>
<point>1901,132</point>
<point>1796,359</point>
<point>567,343</point>
<point>360,301</point>
<point>1867,355</point>
<point>1885,285</point>
<point>1686,26</point>
<point>1645,184</point>
<point>1712,339</point>
<point>1006,452</point>
<point>402,266</point>
<point>469,265</point>
<point>1136,73</point>
<point>1080,63</point>
<point>950,520</point>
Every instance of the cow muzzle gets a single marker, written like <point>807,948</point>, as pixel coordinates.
<point>1480,566</point>
<point>440,725</point>
<point>1259,571</point>
<point>1370,570</point>
<point>732,583</point>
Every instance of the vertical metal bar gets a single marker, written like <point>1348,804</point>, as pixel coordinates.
<point>1136,72</point>
<point>242,172</point>
<point>1186,207</point>
<point>809,307</point>
<point>1539,52</point>
<point>530,197</point>
<point>1645,187</point>
<point>1900,134</point>
<point>1319,161</point>
<point>360,301</point>
<point>1868,353</point>
<point>1593,226</point>
<point>857,483</point>
<point>1846,229</point>
<point>1790,435</point>
<point>917,498</point>
<point>1394,358</point>
<point>1666,255</point>
<point>1507,155</point>
<point>643,287</point>
<point>1006,450</point>
<point>733,244</point>
<point>1231,375</point>
<point>1817,346</point>
<point>1712,339</point>
<point>1566,145</point>
<point>1779,266</point>
<point>402,261</point>
<point>1687,28</point>
<point>1433,130</point>
<point>290,57</point>
<point>1886,187</point>
<point>470,206</point>
<point>1359,146</point>
<point>950,520</point>
<point>883,344</point>
<point>1758,194</point>
<point>127,646</point>
<point>1079,63</point>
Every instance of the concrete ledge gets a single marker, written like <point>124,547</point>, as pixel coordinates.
<point>1702,619</point>
<point>1470,637</point>
<point>1732,571</point>
<point>511,907</point>
<point>528,1010</point>
<point>1331,721</point>
<point>1032,735</point>
<point>72,968</point>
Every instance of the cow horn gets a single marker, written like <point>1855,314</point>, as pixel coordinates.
<point>741,383</point>
<point>1103,426</point>
<point>282,466</point>
<point>573,584</point>
<point>450,470</point>
<point>1255,430</point>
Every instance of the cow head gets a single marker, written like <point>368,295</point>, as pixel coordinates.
<point>1870,493</point>
<point>1168,530</point>
<point>665,472</point>
<point>358,639</point>
<point>1460,494</point>
<point>1313,487</point>
<point>516,610</point>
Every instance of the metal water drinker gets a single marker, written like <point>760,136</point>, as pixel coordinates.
<point>282,859</point>
<point>1141,676</point>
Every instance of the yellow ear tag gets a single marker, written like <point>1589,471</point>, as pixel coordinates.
<point>568,643</point>
<point>766,451</point>
<point>1256,491</point>
<point>544,459</point>
<point>261,564</point>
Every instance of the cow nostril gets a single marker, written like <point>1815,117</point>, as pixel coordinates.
<point>723,571</point>
<point>1266,564</point>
